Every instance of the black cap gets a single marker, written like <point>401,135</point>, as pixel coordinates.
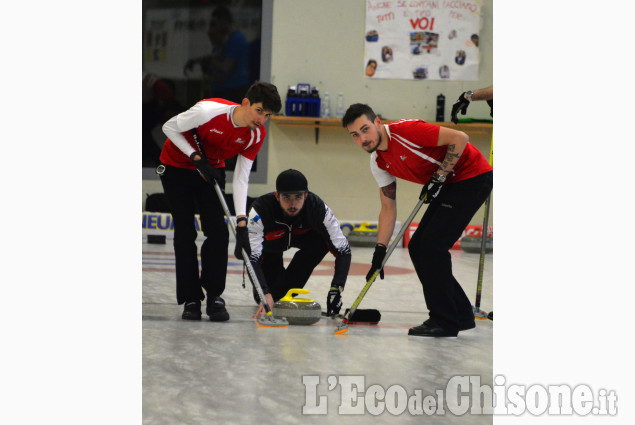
<point>291,181</point>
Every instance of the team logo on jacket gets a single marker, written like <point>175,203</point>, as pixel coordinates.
<point>403,157</point>
<point>240,141</point>
<point>276,234</point>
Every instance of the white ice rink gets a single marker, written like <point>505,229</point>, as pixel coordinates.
<point>239,373</point>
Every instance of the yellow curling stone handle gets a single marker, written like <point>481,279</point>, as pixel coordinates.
<point>289,296</point>
<point>365,227</point>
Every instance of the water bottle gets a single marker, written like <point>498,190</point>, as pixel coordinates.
<point>326,106</point>
<point>314,104</point>
<point>339,112</point>
<point>291,109</point>
<point>440,108</point>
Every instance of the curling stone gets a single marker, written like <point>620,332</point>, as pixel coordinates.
<point>473,244</point>
<point>158,239</point>
<point>297,311</point>
<point>364,235</point>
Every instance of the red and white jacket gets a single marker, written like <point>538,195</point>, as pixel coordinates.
<point>413,155</point>
<point>221,139</point>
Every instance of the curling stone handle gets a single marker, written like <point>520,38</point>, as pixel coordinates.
<point>289,296</point>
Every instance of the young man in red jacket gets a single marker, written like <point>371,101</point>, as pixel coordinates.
<point>224,129</point>
<point>456,180</point>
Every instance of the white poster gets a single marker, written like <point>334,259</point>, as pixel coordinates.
<point>422,39</point>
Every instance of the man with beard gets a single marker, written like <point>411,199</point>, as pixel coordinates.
<point>293,217</point>
<point>456,180</point>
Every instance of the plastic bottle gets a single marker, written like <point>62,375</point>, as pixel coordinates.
<point>339,111</point>
<point>326,106</point>
<point>314,104</point>
<point>440,108</point>
<point>291,107</point>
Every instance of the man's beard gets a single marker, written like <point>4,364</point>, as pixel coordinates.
<point>377,145</point>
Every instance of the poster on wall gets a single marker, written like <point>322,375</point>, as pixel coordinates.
<point>422,39</point>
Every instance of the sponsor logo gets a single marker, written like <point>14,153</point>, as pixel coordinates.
<point>213,130</point>
<point>164,222</point>
<point>276,234</point>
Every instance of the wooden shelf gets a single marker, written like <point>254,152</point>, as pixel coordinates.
<point>332,123</point>
<point>306,122</point>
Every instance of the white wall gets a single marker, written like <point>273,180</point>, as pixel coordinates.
<point>321,43</point>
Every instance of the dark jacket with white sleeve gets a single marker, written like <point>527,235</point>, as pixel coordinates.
<point>271,230</point>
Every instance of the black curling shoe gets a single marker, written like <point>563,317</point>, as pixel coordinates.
<point>216,310</point>
<point>192,311</point>
<point>430,328</point>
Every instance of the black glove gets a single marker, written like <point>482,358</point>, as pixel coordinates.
<point>431,190</point>
<point>242,242</point>
<point>334,301</point>
<point>461,104</point>
<point>209,173</point>
<point>378,257</point>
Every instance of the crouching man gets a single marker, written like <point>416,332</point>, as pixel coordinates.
<point>293,217</point>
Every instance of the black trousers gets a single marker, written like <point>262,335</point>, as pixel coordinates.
<point>188,193</point>
<point>441,226</point>
<point>312,250</point>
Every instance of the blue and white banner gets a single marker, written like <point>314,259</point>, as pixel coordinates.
<point>154,223</point>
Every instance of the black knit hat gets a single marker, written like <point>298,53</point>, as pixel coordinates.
<point>291,181</point>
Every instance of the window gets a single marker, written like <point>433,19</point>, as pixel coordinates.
<point>194,50</point>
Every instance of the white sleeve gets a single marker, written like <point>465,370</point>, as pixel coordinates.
<point>256,234</point>
<point>240,184</point>
<point>172,130</point>
<point>383,177</point>
<point>335,231</point>
<point>197,115</point>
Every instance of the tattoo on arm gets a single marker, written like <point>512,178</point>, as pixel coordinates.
<point>390,191</point>
<point>450,159</point>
